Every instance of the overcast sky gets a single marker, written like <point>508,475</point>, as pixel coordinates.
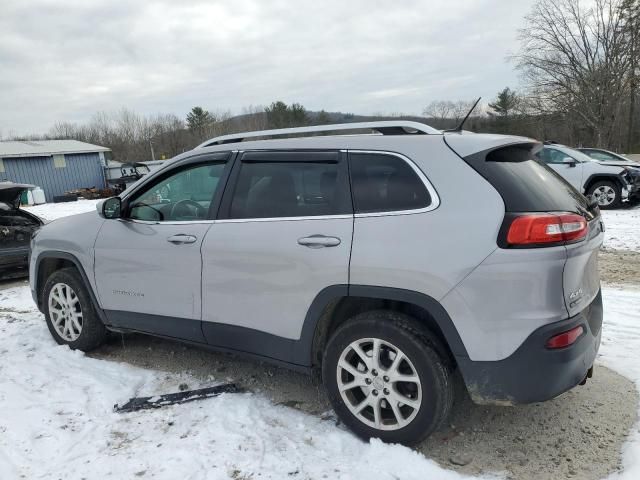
<point>67,59</point>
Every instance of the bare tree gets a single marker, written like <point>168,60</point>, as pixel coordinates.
<point>575,61</point>
<point>460,109</point>
<point>252,118</point>
<point>631,18</point>
<point>439,110</point>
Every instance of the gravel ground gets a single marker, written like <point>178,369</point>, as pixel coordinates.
<point>619,267</point>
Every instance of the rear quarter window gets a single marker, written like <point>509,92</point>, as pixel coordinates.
<point>385,183</point>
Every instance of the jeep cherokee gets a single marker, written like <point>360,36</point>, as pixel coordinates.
<point>386,261</point>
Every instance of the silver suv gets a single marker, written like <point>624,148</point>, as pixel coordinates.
<point>389,262</point>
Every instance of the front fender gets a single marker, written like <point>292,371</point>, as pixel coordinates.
<point>70,238</point>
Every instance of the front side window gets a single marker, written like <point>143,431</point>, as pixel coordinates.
<point>385,183</point>
<point>272,189</point>
<point>552,156</point>
<point>184,196</point>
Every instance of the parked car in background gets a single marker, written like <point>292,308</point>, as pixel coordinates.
<point>608,157</point>
<point>386,262</point>
<point>16,229</point>
<point>129,174</point>
<point>607,183</point>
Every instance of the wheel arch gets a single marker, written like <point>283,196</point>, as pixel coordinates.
<point>597,177</point>
<point>335,305</point>
<point>51,261</point>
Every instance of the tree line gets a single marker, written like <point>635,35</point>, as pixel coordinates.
<point>579,63</point>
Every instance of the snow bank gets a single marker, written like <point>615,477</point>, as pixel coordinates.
<point>57,422</point>
<point>620,351</point>
<point>622,229</point>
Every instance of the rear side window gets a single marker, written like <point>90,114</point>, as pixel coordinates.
<point>525,183</point>
<point>385,183</point>
<point>273,189</point>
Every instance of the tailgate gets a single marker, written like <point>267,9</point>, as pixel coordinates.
<point>581,279</point>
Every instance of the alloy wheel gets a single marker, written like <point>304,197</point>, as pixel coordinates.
<point>65,312</point>
<point>604,195</point>
<point>379,384</point>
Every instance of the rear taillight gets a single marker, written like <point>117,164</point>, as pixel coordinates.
<point>546,229</point>
<point>565,339</point>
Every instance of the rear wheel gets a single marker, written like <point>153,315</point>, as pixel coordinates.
<point>386,379</point>
<point>608,194</point>
<point>69,311</point>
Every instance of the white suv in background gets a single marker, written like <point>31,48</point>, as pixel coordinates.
<point>609,185</point>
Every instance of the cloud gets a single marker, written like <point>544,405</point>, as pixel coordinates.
<point>66,59</point>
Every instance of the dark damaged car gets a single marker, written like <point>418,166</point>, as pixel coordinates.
<point>16,228</point>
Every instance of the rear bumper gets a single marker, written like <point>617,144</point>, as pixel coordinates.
<point>534,373</point>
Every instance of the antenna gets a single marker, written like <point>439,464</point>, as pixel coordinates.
<point>459,127</point>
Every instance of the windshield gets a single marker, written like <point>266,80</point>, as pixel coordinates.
<point>604,156</point>
<point>577,155</point>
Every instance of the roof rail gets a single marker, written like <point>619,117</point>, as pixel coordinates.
<point>389,127</point>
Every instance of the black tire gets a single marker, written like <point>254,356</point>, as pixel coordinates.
<point>422,349</point>
<point>93,332</point>
<point>617,201</point>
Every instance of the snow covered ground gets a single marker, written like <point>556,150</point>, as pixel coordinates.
<point>57,419</point>
<point>622,229</point>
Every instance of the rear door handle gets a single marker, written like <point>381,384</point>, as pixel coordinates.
<point>181,238</point>
<point>319,241</point>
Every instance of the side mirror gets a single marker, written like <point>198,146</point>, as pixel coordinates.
<point>569,161</point>
<point>110,208</point>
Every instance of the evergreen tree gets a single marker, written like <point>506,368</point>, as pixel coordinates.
<point>199,119</point>
<point>505,104</point>
<point>281,115</point>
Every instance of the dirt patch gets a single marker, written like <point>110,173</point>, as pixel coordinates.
<point>618,267</point>
<point>580,434</point>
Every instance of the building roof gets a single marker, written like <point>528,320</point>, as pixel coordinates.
<point>41,148</point>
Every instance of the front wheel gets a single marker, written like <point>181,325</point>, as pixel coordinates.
<point>69,311</point>
<point>606,193</point>
<point>385,378</point>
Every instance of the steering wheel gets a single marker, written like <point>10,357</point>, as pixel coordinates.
<point>185,206</point>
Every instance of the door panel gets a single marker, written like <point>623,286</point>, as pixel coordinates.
<point>283,235</point>
<point>148,265</point>
<point>572,174</point>
<point>257,275</point>
<point>138,268</point>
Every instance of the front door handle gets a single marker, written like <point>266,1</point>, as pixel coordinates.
<point>181,238</point>
<point>319,241</point>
